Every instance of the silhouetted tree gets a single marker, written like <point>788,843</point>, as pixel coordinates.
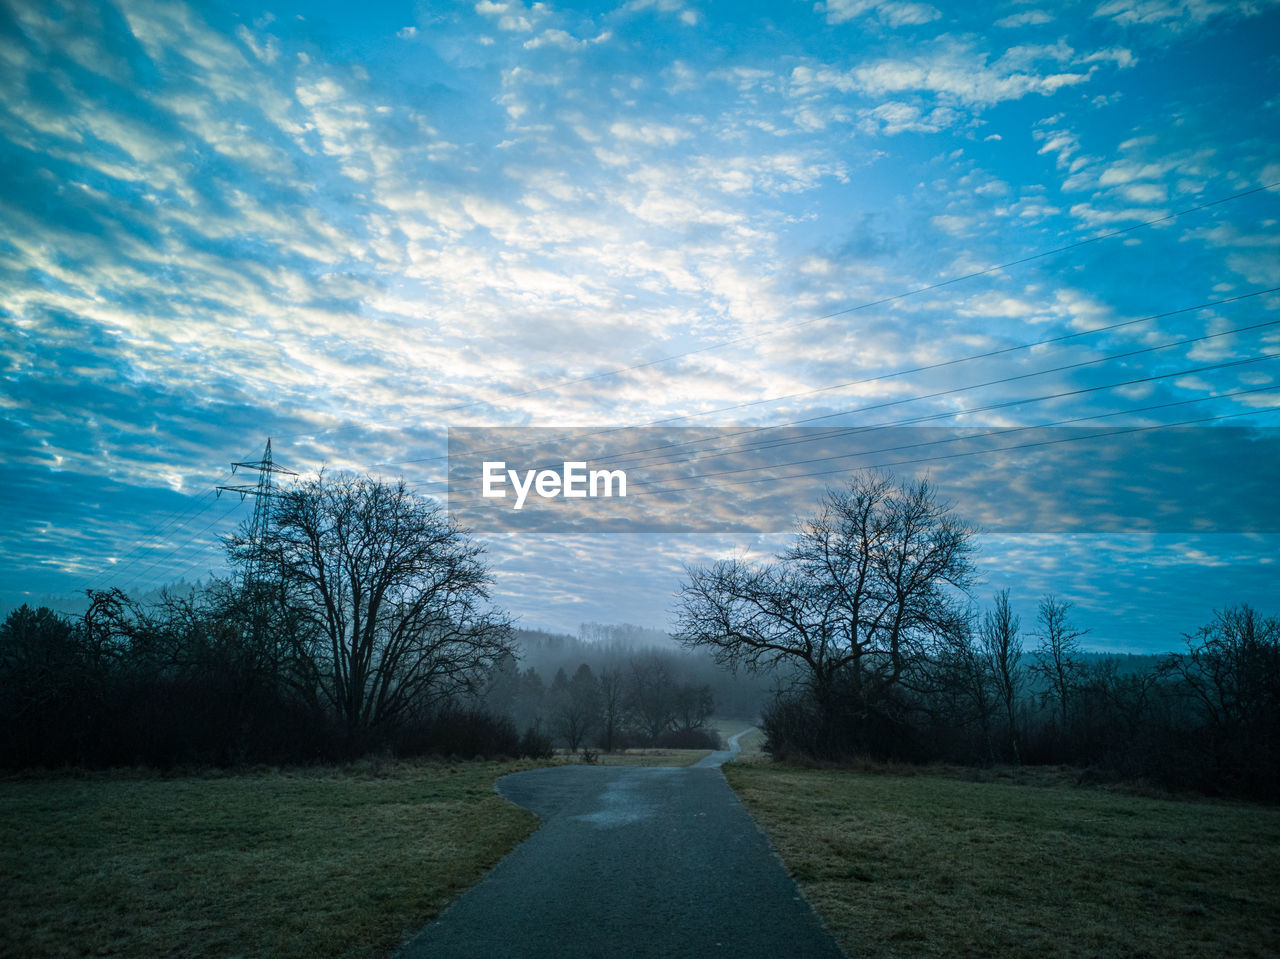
<point>393,594</point>
<point>529,704</point>
<point>651,696</point>
<point>576,708</point>
<point>1001,645</point>
<point>693,707</point>
<point>960,690</point>
<point>1231,672</point>
<point>1058,655</point>
<point>869,585</point>
<point>613,692</point>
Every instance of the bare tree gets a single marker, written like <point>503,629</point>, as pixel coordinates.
<point>613,703</point>
<point>1057,657</point>
<point>1232,670</point>
<point>651,696</point>
<point>396,596</point>
<point>1001,644</point>
<point>963,690</point>
<point>869,584</point>
<point>693,706</point>
<point>576,709</point>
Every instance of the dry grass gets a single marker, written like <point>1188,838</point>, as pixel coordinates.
<point>752,746</point>
<point>647,757</point>
<point>311,862</point>
<point>932,864</point>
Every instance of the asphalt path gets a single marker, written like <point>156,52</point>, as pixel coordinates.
<point>631,861</point>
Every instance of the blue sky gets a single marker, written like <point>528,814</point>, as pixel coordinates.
<point>351,227</point>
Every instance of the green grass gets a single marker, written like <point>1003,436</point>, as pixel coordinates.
<point>929,864</point>
<point>310,862</point>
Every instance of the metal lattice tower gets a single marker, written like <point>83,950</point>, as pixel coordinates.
<point>263,492</point>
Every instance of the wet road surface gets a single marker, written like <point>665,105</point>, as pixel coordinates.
<point>631,862</point>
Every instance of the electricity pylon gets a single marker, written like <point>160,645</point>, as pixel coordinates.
<point>263,492</point>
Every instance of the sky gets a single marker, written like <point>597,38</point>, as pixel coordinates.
<point>353,228</point>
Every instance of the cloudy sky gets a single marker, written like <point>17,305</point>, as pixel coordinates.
<point>353,227</point>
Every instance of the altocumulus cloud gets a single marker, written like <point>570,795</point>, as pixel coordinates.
<point>352,231</point>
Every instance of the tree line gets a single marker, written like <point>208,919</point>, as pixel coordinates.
<point>870,609</point>
<point>643,700</point>
<point>357,619</point>
<point>360,619</point>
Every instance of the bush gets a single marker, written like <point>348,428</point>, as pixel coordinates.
<point>536,744</point>
<point>459,732</point>
<point>794,725</point>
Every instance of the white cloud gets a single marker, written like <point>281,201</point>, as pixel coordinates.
<point>686,15</point>
<point>895,117</point>
<point>954,73</point>
<point>511,15</point>
<point>1028,18</point>
<point>1093,216</point>
<point>893,14</point>
<point>564,40</point>
<point>651,134</point>
<point>907,14</point>
<point>266,50</point>
<point>953,224</point>
<point>1120,56</point>
<point>1175,13</point>
<point>1145,193</point>
<point>972,83</point>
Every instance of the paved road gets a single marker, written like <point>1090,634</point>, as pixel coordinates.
<point>631,862</point>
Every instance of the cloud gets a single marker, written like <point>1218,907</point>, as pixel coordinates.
<point>511,15</point>
<point>563,40</point>
<point>214,230</point>
<point>892,14</point>
<point>1175,14</point>
<point>650,134</point>
<point>686,15</point>
<point>895,117</point>
<point>955,74</point>
<point>267,50</point>
<point>962,77</point>
<point>1027,18</point>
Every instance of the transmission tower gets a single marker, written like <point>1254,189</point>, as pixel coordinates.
<point>262,491</point>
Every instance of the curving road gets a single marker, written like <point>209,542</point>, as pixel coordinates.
<point>633,861</point>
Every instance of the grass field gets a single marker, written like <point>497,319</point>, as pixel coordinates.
<point>933,865</point>
<point>652,757</point>
<point>309,862</point>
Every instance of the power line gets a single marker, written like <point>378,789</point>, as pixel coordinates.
<point>996,382</point>
<point>842,312</point>
<point>883,376</point>
<point>946,414</point>
<point>262,493</point>
<point>187,514</point>
<point>935,459</point>
<point>264,467</point>
<point>162,525</point>
<point>621,458</point>
<point>173,552</point>
<point>995,432</point>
